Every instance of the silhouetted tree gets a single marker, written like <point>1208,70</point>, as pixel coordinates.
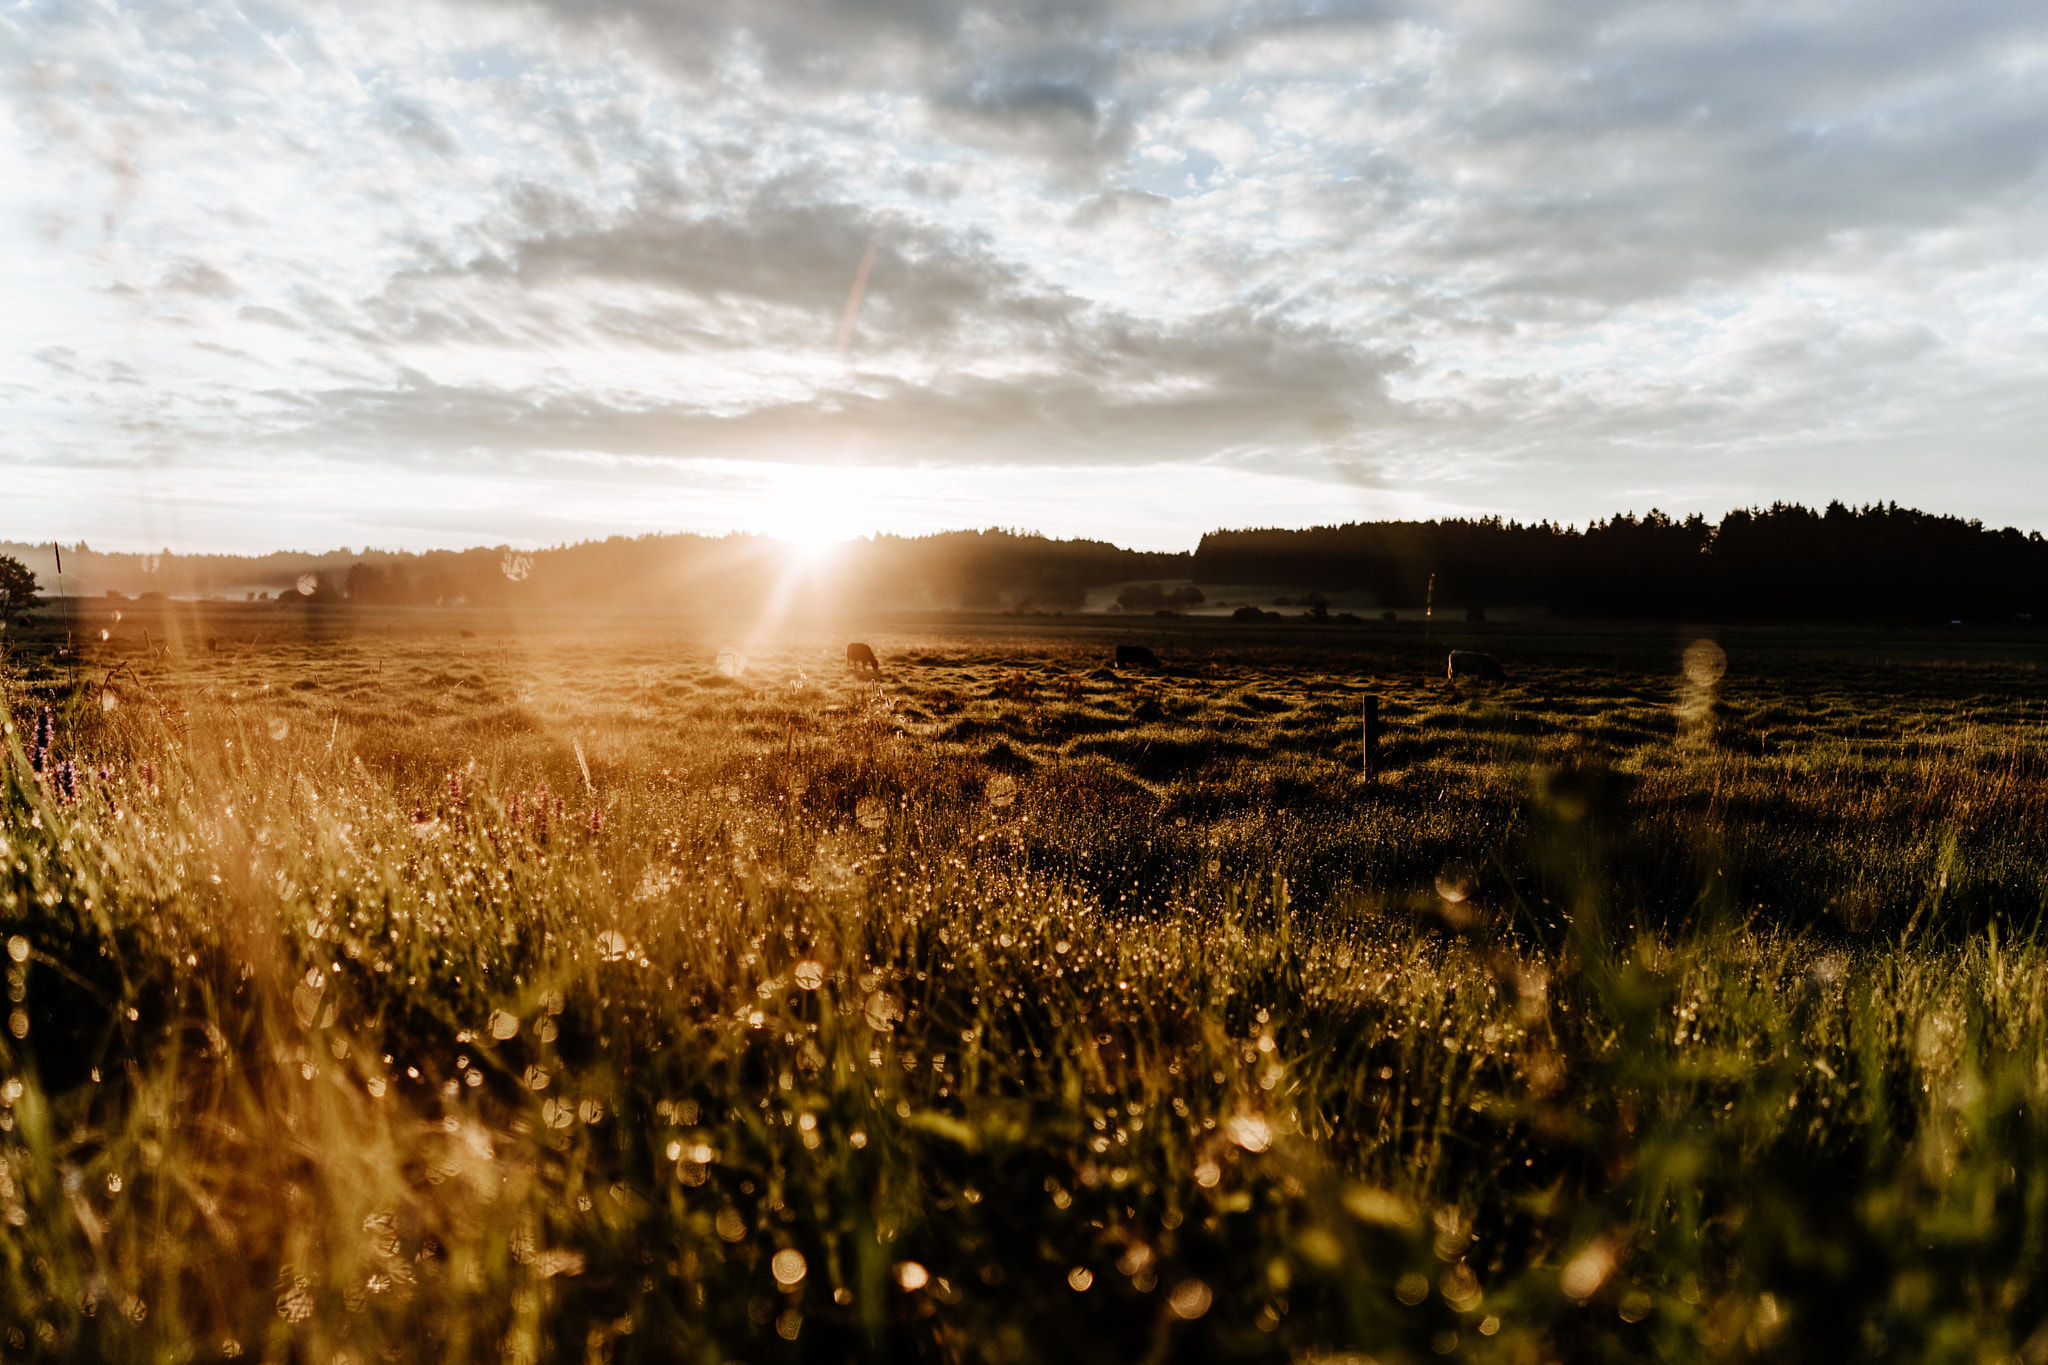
<point>17,586</point>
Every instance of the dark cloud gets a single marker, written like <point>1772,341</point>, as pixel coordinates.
<point>925,287</point>
<point>1106,391</point>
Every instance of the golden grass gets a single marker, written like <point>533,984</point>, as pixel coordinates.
<point>1008,1008</point>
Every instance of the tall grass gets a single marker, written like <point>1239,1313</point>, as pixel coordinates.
<point>800,1032</point>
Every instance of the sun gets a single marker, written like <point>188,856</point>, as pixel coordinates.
<point>809,542</point>
<point>815,515</point>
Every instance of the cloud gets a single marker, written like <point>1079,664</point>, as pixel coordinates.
<point>1496,256</point>
<point>197,277</point>
<point>411,122</point>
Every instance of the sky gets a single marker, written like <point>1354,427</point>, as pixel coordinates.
<point>299,275</point>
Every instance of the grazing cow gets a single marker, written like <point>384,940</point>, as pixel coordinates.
<point>859,655</point>
<point>1135,656</point>
<point>1471,663</point>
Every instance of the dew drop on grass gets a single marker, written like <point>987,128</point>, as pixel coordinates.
<point>503,1025</point>
<point>871,812</point>
<point>1189,1300</point>
<point>1002,790</point>
<point>911,1277</point>
<point>611,944</point>
<point>17,948</point>
<point>882,1011</point>
<point>809,975</point>
<point>279,727</point>
<point>788,1267</point>
<point>1250,1132</point>
<point>1080,1277</point>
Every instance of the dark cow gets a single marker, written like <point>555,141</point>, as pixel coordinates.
<point>1135,656</point>
<point>859,655</point>
<point>1470,663</point>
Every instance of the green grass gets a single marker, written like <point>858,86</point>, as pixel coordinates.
<point>1613,1021</point>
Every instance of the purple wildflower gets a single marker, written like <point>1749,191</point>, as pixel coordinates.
<point>596,822</point>
<point>67,782</point>
<point>455,789</point>
<point>46,735</point>
<point>512,811</point>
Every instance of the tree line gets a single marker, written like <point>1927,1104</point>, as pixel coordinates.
<point>1785,562</point>
<point>985,570</point>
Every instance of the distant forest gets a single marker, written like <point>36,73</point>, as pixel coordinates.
<point>1786,562</point>
<point>992,570</point>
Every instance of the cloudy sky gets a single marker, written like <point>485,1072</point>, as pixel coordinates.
<point>307,274</point>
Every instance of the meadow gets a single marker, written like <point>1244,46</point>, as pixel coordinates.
<point>427,985</point>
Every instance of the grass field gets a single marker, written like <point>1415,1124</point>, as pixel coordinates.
<point>447,987</point>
